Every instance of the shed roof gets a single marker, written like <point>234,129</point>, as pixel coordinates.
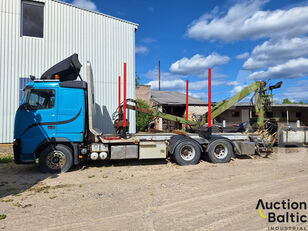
<point>175,98</point>
<point>246,104</point>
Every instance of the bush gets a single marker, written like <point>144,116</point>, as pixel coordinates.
<point>6,158</point>
<point>142,119</point>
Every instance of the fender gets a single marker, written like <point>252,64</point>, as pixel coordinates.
<point>60,140</point>
<point>175,140</point>
<point>217,137</point>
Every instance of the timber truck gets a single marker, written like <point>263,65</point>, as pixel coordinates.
<point>55,124</point>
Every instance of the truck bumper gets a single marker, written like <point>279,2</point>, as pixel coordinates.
<point>17,147</point>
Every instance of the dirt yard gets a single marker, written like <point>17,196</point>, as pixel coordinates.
<point>152,195</point>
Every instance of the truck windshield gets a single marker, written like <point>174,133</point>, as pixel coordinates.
<point>40,99</point>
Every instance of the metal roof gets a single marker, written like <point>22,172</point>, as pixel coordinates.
<point>244,104</point>
<point>175,98</point>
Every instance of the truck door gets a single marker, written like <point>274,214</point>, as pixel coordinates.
<point>71,113</point>
<point>39,119</point>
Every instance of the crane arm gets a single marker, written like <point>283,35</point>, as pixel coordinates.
<point>216,111</point>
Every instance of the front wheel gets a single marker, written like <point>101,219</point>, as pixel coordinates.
<point>220,151</point>
<point>56,159</point>
<point>187,153</point>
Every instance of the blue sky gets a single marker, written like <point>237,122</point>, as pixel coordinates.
<point>242,41</point>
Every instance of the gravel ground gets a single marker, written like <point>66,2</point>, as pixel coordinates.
<point>152,195</point>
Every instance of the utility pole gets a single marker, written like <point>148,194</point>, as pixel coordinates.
<point>159,75</point>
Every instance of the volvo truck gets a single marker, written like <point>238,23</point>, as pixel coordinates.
<point>55,125</point>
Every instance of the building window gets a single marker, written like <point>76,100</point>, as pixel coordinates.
<point>284,114</point>
<point>298,115</point>
<point>235,114</point>
<point>32,19</point>
<point>22,84</point>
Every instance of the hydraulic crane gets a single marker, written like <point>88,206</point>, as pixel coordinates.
<point>263,99</point>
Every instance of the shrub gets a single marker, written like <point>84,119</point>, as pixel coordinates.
<point>142,119</point>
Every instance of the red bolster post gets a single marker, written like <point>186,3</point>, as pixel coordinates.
<point>210,99</point>
<point>187,83</point>
<point>119,93</point>
<point>124,103</point>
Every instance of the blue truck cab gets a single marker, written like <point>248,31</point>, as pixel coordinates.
<point>52,113</point>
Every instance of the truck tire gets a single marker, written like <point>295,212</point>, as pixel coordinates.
<point>220,151</point>
<point>56,159</point>
<point>187,152</point>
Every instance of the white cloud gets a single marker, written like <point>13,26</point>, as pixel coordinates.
<point>242,56</point>
<point>148,40</point>
<point>272,53</point>
<point>247,21</point>
<point>177,84</point>
<point>198,64</point>
<point>153,74</point>
<point>141,50</point>
<point>198,95</point>
<point>297,92</point>
<point>237,89</point>
<point>293,68</point>
<point>86,4</point>
<point>180,84</point>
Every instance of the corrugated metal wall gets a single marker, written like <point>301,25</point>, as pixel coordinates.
<point>105,41</point>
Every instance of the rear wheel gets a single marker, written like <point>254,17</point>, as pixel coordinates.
<point>56,158</point>
<point>187,153</point>
<point>220,151</point>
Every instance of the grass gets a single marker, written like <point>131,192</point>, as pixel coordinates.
<point>40,189</point>
<point>46,188</point>
<point>91,176</point>
<point>2,216</point>
<point>6,158</point>
<point>3,183</point>
<point>11,189</point>
<point>22,206</point>
<point>8,200</point>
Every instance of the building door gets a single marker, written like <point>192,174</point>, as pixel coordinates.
<point>245,115</point>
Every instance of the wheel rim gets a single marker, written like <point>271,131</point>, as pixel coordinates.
<point>56,160</point>
<point>221,151</point>
<point>188,152</point>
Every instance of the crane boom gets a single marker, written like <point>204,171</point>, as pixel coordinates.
<point>258,87</point>
<point>224,105</point>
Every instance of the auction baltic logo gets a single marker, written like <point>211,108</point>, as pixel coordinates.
<point>286,212</point>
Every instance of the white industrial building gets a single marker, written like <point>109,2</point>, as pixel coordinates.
<point>34,35</point>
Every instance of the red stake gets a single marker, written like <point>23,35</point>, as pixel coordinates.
<point>124,103</point>
<point>210,100</point>
<point>119,93</point>
<point>187,82</point>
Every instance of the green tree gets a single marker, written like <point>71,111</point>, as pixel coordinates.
<point>137,80</point>
<point>286,101</point>
<point>142,119</point>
